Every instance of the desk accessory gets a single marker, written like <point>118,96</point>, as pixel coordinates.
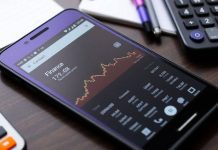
<point>10,139</point>
<point>197,24</point>
<point>143,14</point>
<point>110,10</point>
<point>153,18</point>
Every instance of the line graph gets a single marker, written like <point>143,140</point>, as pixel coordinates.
<point>109,72</point>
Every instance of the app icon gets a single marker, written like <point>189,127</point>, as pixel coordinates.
<point>191,90</point>
<point>146,131</point>
<point>180,100</point>
<point>170,110</point>
<point>117,44</point>
<point>158,121</point>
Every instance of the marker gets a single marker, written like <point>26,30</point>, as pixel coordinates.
<point>153,18</point>
<point>142,11</point>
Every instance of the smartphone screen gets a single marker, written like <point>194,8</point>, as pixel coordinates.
<point>119,85</point>
<point>131,93</point>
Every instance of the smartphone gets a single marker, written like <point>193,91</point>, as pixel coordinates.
<point>123,88</point>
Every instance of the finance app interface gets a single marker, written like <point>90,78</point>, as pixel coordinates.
<point>126,90</point>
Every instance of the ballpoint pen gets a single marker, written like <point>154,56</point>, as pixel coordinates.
<point>142,11</point>
<point>153,18</point>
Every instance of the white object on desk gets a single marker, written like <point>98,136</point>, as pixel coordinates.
<point>19,17</point>
<point>163,16</point>
<point>115,10</point>
<point>11,132</point>
<point>124,11</point>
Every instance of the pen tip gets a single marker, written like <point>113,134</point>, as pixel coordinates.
<point>157,31</point>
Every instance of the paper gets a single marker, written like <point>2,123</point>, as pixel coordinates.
<point>19,17</point>
<point>124,11</point>
<point>163,16</point>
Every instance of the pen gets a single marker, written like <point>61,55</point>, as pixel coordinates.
<point>142,11</point>
<point>153,18</point>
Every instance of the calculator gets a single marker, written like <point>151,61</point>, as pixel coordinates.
<point>197,24</point>
<point>10,139</point>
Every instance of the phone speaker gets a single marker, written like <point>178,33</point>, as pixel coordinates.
<point>39,33</point>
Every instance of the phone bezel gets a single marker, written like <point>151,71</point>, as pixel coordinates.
<point>61,21</point>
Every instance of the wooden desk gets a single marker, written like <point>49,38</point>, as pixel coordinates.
<point>46,126</point>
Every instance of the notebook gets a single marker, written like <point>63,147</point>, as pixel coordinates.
<point>19,17</point>
<point>124,11</point>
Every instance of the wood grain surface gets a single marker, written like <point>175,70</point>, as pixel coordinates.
<point>45,125</point>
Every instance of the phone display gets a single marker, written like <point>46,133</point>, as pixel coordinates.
<point>121,87</point>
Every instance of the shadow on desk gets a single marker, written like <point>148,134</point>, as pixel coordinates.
<point>202,59</point>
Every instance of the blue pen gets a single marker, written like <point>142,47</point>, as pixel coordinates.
<point>142,11</point>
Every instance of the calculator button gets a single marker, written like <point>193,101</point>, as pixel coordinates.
<point>202,11</point>
<point>214,9</point>
<point>197,36</point>
<point>7,143</point>
<point>197,2</point>
<point>190,24</point>
<point>207,22</point>
<point>181,3</point>
<point>212,1</point>
<point>2,132</point>
<point>185,13</point>
<point>212,33</point>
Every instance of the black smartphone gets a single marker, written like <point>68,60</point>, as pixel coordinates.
<point>133,94</point>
